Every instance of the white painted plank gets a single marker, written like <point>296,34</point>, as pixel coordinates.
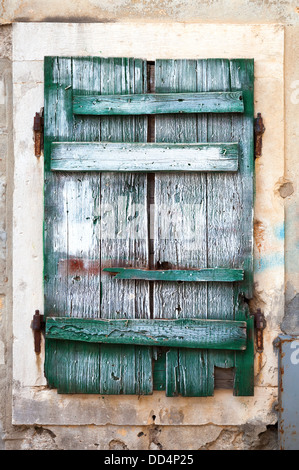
<point>88,156</point>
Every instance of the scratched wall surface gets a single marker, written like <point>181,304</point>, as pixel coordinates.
<point>222,423</point>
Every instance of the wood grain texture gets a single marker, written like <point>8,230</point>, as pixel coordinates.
<point>78,226</point>
<point>137,157</point>
<point>242,76</point>
<point>227,201</point>
<point>180,230</point>
<point>224,208</point>
<point>72,367</point>
<point>186,333</point>
<point>124,238</point>
<point>200,220</point>
<point>57,78</point>
<point>229,206</point>
<point>68,225</point>
<point>159,103</point>
<point>190,275</point>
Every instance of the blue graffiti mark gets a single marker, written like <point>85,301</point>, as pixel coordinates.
<point>279,231</point>
<point>271,261</point>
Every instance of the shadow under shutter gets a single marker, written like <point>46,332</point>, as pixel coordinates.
<point>101,329</point>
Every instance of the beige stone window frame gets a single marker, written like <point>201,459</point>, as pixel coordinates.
<point>33,402</point>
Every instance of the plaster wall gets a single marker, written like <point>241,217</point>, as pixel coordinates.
<point>245,423</point>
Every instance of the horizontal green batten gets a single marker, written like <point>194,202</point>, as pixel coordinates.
<point>191,275</point>
<point>159,103</point>
<point>183,333</point>
<point>150,157</point>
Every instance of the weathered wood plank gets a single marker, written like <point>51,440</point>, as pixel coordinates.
<point>69,225</point>
<point>224,210</point>
<point>228,197</point>
<point>124,235</point>
<point>190,275</point>
<point>58,126</point>
<point>125,369</point>
<point>159,375</point>
<point>230,203</point>
<point>82,200</point>
<point>177,300</point>
<point>159,103</point>
<point>242,77</point>
<point>77,367</point>
<point>78,222</point>
<point>186,372</point>
<point>185,333</point>
<point>144,157</point>
<point>180,229</point>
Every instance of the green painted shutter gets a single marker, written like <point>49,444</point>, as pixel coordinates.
<point>223,203</point>
<point>96,224</point>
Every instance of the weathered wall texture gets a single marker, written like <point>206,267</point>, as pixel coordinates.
<point>90,11</point>
<point>6,178</point>
<point>284,196</point>
<point>209,437</point>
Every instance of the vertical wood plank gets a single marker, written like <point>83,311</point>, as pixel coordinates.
<point>81,374</point>
<point>50,365</point>
<point>115,221</point>
<point>124,236</point>
<point>242,77</point>
<point>180,232</point>
<point>83,200</point>
<point>77,367</point>
<point>224,200</point>
<point>78,223</point>
<point>229,229</point>
<point>69,203</point>
<point>58,127</point>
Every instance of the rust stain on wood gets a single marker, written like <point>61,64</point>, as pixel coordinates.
<point>87,267</point>
<point>78,266</point>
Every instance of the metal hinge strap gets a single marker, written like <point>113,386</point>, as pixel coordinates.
<point>38,127</point>
<point>259,129</point>
<point>260,325</point>
<point>37,326</point>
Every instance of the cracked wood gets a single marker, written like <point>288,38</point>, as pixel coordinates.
<point>187,333</point>
<point>128,157</point>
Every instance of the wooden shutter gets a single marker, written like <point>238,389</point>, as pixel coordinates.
<point>126,315</point>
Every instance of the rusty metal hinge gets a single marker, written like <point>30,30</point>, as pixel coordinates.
<point>38,127</point>
<point>37,326</point>
<point>260,325</point>
<point>259,129</point>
